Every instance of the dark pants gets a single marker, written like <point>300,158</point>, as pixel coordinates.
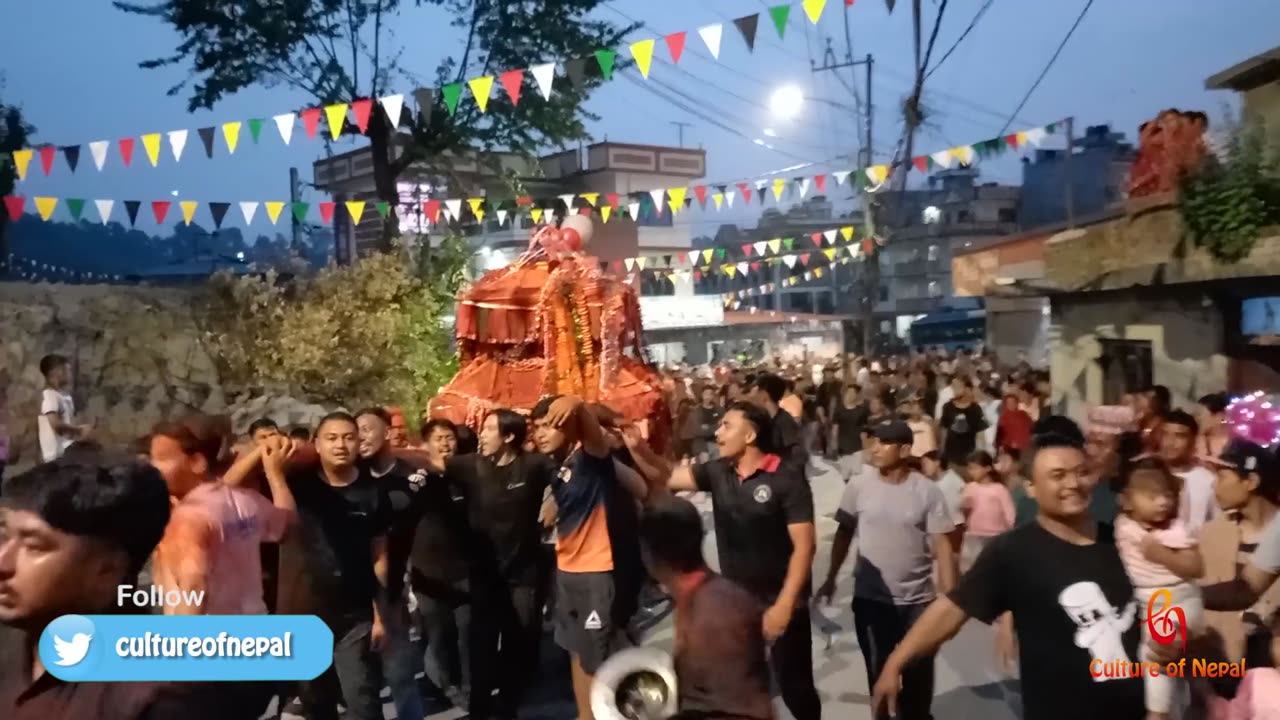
<point>880,627</point>
<point>791,660</point>
<point>445,611</point>
<point>359,677</point>
<point>506,626</point>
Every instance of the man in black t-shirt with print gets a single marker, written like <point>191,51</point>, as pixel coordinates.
<point>1061,582</point>
<point>340,542</point>
<point>785,438</point>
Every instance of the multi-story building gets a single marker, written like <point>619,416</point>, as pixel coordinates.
<point>1100,163</point>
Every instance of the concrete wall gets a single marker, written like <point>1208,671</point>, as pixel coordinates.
<point>1186,334</point>
<point>1017,326</point>
<point>1262,104</point>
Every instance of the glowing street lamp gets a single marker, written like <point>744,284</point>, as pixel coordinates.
<point>786,102</point>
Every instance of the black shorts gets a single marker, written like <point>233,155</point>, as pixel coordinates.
<point>585,623</point>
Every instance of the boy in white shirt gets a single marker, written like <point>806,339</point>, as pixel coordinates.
<point>57,409</point>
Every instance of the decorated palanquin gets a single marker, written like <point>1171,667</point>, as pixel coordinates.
<point>1169,147</point>
<point>552,323</point>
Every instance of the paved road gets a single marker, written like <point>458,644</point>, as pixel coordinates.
<point>970,686</point>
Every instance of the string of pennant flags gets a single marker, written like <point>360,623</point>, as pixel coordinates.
<point>30,269</point>
<point>341,117</point>
<point>803,250</point>
<point>608,205</point>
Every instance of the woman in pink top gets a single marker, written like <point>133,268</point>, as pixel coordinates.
<point>211,549</point>
<point>987,505</point>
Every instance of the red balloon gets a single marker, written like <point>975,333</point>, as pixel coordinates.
<point>571,239</point>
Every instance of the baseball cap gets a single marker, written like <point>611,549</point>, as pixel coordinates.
<point>894,432</point>
<point>1245,457</point>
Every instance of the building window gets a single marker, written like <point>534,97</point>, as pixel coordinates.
<point>963,216</point>
<point>933,253</point>
<point>1126,367</point>
<point>1007,215</point>
<point>935,289</point>
<point>884,293</point>
<point>932,215</point>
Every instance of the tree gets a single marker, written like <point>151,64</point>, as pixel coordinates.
<point>338,50</point>
<point>14,135</point>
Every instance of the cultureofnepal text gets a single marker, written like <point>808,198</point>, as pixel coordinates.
<point>1199,668</point>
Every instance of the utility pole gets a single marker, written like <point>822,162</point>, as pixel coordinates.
<point>680,126</point>
<point>295,196</point>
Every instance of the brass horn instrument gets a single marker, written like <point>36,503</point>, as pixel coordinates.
<point>635,684</point>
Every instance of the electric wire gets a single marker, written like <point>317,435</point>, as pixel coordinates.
<point>1079,18</point>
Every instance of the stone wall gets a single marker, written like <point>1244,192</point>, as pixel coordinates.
<point>136,356</point>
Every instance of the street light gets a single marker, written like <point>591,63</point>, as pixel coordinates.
<point>786,101</point>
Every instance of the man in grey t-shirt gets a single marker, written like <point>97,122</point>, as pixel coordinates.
<point>1242,460</point>
<point>901,522</point>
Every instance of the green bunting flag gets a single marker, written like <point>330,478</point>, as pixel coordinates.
<point>780,15</point>
<point>255,129</point>
<point>605,57</point>
<point>75,206</point>
<point>300,211</point>
<point>452,94</point>
<point>382,209</point>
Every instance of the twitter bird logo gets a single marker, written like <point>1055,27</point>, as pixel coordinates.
<point>71,653</point>
<point>65,646</point>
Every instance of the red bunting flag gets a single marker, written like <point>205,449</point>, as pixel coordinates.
<point>675,43</point>
<point>697,274</point>
<point>584,210</point>
<point>746,192</point>
<point>867,246</point>
<point>804,258</point>
<point>746,249</point>
<point>613,200</point>
<point>755,265</point>
<point>816,238</point>
<point>820,181</point>
<point>126,151</point>
<point>13,205</point>
<point>311,121</point>
<point>524,200</point>
<point>362,109</point>
<point>161,209</point>
<point>47,154</point>
<point>683,258</point>
<point>326,212</point>
<point>700,191</point>
<point>431,208</point>
<point>1012,140</point>
<point>921,162</point>
<point>512,81</point>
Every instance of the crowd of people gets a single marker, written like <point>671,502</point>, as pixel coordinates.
<point>965,494</point>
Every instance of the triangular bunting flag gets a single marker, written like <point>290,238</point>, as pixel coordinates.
<point>536,214</point>
<point>219,212</point>
<point>512,81</point>
<point>729,270</point>
<point>921,163</point>
<point>633,210</point>
<point>255,128</point>
<point>382,208</point>
<point>151,144</point>
<point>761,247</point>
<point>568,199</point>
<point>813,8</point>
<point>452,94</point>
<point>746,250</point>
<point>206,139</point>
<point>576,71</point>
<point>188,210</point>
<point>361,109</point>
<point>285,123</point>
<point>355,208</point>
<point>431,208</point>
<point>640,262</point>
<point>99,152</point>
<point>544,75</point>
<point>676,198</point>
<point>22,160</point>
<point>830,235</point>
<point>675,45</point>
<point>942,158</point>
<point>393,106</point>
<point>804,259</point>
<point>711,35</point>
<point>453,206</point>
<point>629,263</point>
<point>963,153</point>
<point>476,208</point>
<point>326,212</point>
<point>502,217</point>
<point>72,153</point>
<point>642,51</point>
<point>707,254</point>
<point>274,208</point>
<point>779,185</point>
<point>760,185</point>
<point>311,121</point>
<point>847,233</point>
<point>605,57</point>
<point>840,176</point>
<point>47,154</point>
<point>425,100</point>
<point>700,192</point>
<point>830,253</point>
<point>300,212</point>
<point>160,208</point>
<point>718,198</point>
<point>1036,136</point>
<point>177,143</point>
<point>747,26</point>
<point>591,198</point>
<point>336,115</point>
<point>131,208</point>
<point>104,209</point>
<point>816,239</point>
<point>231,135</point>
<point>820,182</point>
<point>657,196</point>
<point>877,174</point>
<point>728,198</point>
<point>481,90</point>
<point>742,268</point>
<point>746,192</point>
<point>248,210</point>
<point>1012,140</point>
<point>802,185</point>
<point>613,199</point>
<point>126,151</point>
<point>605,212</point>
<point>788,243</point>
<point>45,206</point>
<point>789,260</point>
<point>780,14</point>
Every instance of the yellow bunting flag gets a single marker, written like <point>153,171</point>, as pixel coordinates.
<point>847,232</point>
<point>336,114</point>
<point>729,270</point>
<point>642,51</point>
<point>355,208</point>
<point>878,173</point>
<point>964,154</point>
<point>591,198</point>
<point>274,207</point>
<point>605,212</point>
<point>151,143</point>
<point>231,133</point>
<point>475,204</point>
<point>775,245</point>
<point>22,159</point>
<point>481,88</point>
<point>640,261</point>
<point>46,205</point>
<point>817,272</point>
<point>813,8</point>
<point>779,185</point>
<point>536,214</point>
<point>706,255</point>
<point>188,210</point>
<point>830,253</point>
<point>675,197</point>
<point>718,198</point>
<point>1022,139</point>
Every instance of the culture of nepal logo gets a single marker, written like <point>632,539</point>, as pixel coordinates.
<point>1165,625</point>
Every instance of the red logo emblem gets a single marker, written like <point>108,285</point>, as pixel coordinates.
<point>1161,624</point>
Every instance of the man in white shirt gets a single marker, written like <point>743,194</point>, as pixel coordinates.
<point>1177,448</point>
<point>57,409</point>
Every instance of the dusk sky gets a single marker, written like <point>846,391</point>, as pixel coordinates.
<point>72,66</point>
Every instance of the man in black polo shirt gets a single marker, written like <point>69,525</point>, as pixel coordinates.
<point>765,533</point>
<point>785,438</point>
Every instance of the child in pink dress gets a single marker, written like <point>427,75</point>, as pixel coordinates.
<point>987,505</point>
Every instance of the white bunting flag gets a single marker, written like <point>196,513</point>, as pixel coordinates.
<point>633,210</point>
<point>760,247</point>
<point>942,158</point>
<point>544,75</point>
<point>742,267</point>
<point>830,235</point>
<point>728,197</point>
<point>640,261</point>
<point>393,106</point>
<point>248,209</point>
<point>711,35</point>
<point>99,151</point>
<point>502,218</point>
<point>804,187</point>
<point>630,263</point>
<point>567,199</point>
<point>104,209</point>
<point>760,185</point>
<point>284,123</point>
<point>178,142</point>
<point>963,153</point>
<point>657,196</point>
<point>454,208</point>
<point>840,176</point>
<point>790,260</point>
<point>1036,136</point>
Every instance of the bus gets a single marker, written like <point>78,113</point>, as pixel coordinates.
<point>950,329</point>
